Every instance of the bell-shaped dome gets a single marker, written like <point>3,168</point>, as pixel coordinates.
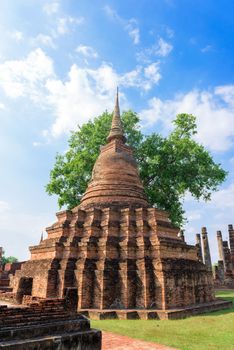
<point>115,179</point>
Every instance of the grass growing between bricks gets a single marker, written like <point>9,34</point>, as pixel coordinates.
<point>211,331</point>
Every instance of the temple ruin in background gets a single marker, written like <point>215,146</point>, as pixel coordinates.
<point>224,270</point>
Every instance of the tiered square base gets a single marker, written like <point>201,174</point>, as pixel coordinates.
<point>171,314</point>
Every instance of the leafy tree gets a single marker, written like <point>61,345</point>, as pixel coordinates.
<point>9,259</point>
<point>169,166</point>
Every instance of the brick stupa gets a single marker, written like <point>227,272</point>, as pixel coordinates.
<point>121,257</point>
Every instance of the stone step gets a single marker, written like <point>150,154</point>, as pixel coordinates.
<point>4,282</point>
<point>43,328</point>
<point>31,318</point>
<point>85,339</point>
<point>5,289</point>
<point>26,311</point>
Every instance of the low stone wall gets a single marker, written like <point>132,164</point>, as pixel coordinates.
<point>46,324</point>
<point>88,340</point>
<point>8,297</point>
<point>29,299</point>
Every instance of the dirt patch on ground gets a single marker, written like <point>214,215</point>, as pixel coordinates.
<point>119,342</point>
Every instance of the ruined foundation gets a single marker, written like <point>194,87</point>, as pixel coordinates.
<point>46,325</point>
<point>224,271</point>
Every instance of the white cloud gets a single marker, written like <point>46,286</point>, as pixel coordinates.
<point>130,26</point>
<point>133,31</point>
<point>226,92</point>
<point>88,91</point>
<point>214,111</point>
<point>159,49</point>
<point>2,106</point>
<point>15,241</point>
<point>43,39</point>
<point>143,56</point>
<point>193,215</point>
<point>190,230</point>
<point>163,48</point>
<point>170,32</point>
<point>17,36</point>
<point>51,7</point>
<point>111,13</point>
<point>135,35</point>
<point>82,95</point>
<point>141,77</point>
<point>36,144</point>
<point>45,133</point>
<point>87,51</point>
<point>4,206</point>
<point>26,77</point>
<point>64,24</point>
<point>152,72</point>
<point>224,199</point>
<point>207,48</point>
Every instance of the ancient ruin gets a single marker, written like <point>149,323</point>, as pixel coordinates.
<point>224,270</point>
<point>46,324</point>
<point>41,323</point>
<point>7,273</point>
<point>120,257</point>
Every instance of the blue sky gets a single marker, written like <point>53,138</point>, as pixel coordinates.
<point>60,63</point>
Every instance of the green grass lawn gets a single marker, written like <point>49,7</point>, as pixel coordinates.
<point>211,331</point>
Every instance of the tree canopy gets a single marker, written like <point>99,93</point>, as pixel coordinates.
<point>169,166</point>
<point>9,259</point>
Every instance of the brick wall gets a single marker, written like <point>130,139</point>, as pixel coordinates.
<point>116,257</point>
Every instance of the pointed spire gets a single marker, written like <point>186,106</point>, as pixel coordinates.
<point>116,131</point>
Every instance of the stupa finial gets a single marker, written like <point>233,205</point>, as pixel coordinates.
<point>116,131</point>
